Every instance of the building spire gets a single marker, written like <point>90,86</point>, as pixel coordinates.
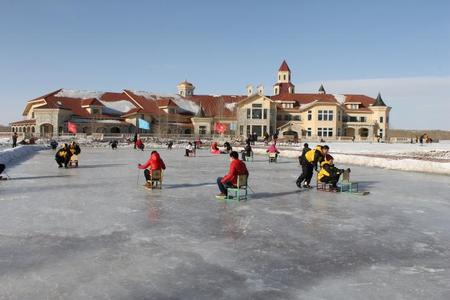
<point>322,89</point>
<point>284,67</point>
<point>379,101</point>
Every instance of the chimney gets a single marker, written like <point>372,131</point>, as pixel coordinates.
<point>260,90</point>
<point>249,90</point>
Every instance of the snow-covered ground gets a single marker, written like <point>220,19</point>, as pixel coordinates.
<point>429,158</point>
<point>18,154</point>
<point>94,233</point>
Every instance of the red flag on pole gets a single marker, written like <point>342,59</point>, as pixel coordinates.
<point>220,128</point>
<point>71,127</point>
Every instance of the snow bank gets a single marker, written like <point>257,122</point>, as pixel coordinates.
<point>15,155</point>
<point>79,94</point>
<point>395,163</point>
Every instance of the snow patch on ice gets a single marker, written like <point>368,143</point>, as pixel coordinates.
<point>79,94</point>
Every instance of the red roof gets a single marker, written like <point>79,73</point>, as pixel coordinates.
<point>366,101</point>
<point>215,105</point>
<point>147,105</point>
<point>110,96</point>
<point>284,67</point>
<point>24,122</point>
<point>90,102</point>
<point>302,99</point>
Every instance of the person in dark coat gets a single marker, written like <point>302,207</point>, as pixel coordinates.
<point>247,152</point>
<point>54,144</point>
<point>14,140</point>
<point>114,144</point>
<point>135,139</point>
<point>311,158</point>
<point>2,168</point>
<point>228,147</point>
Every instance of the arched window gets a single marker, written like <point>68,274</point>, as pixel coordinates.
<point>115,130</point>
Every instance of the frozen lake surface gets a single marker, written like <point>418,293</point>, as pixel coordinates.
<point>93,233</point>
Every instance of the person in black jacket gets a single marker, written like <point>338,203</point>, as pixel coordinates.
<point>247,152</point>
<point>329,173</point>
<point>2,168</point>
<point>307,168</point>
<point>228,147</point>
<point>310,160</point>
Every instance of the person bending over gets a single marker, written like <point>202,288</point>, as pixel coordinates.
<point>153,163</point>
<point>311,158</point>
<point>237,167</point>
<point>189,149</point>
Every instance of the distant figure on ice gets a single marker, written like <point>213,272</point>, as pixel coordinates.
<point>62,156</point>
<point>301,158</point>
<point>228,147</point>
<point>2,168</point>
<point>14,140</point>
<point>312,158</point>
<point>189,149</point>
<point>329,173</point>
<point>266,138</point>
<point>247,152</point>
<point>198,143</point>
<point>139,144</point>
<point>135,139</point>
<point>54,144</point>
<point>273,149</point>
<point>215,148</point>
<point>237,167</point>
<point>169,145</point>
<point>154,163</point>
<point>113,144</point>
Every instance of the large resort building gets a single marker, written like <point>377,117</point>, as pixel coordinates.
<point>311,116</point>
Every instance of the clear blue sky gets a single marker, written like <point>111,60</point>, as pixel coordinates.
<point>220,46</point>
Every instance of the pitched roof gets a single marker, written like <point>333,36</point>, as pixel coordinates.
<point>90,102</point>
<point>322,89</point>
<point>284,67</point>
<point>365,101</point>
<point>216,105</point>
<point>147,105</point>
<point>24,122</point>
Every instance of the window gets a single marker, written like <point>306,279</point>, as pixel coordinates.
<point>284,77</point>
<point>380,134</point>
<point>325,115</point>
<point>95,111</point>
<point>353,119</point>
<point>339,115</point>
<point>241,130</point>
<point>258,105</point>
<point>381,119</point>
<point>325,132</point>
<point>279,117</point>
<point>286,117</point>
<point>256,113</point>
<point>296,118</point>
<point>362,119</point>
<point>308,132</point>
<point>309,115</point>
<point>265,114</point>
<point>339,132</point>
<point>248,130</point>
<point>248,113</point>
<point>202,129</point>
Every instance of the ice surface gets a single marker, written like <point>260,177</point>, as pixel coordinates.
<point>14,155</point>
<point>94,233</point>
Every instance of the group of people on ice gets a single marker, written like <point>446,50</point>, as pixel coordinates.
<point>64,154</point>
<point>313,159</point>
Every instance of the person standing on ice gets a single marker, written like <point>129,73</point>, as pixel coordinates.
<point>14,140</point>
<point>312,158</point>
<point>189,149</point>
<point>139,144</point>
<point>135,139</point>
<point>237,167</point>
<point>153,163</point>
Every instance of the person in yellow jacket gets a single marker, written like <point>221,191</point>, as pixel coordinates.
<point>329,173</point>
<point>309,160</point>
<point>62,156</point>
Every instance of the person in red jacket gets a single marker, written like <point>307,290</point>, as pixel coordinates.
<point>139,144</point>
<point>237,167</point>
<point>154,163</point>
